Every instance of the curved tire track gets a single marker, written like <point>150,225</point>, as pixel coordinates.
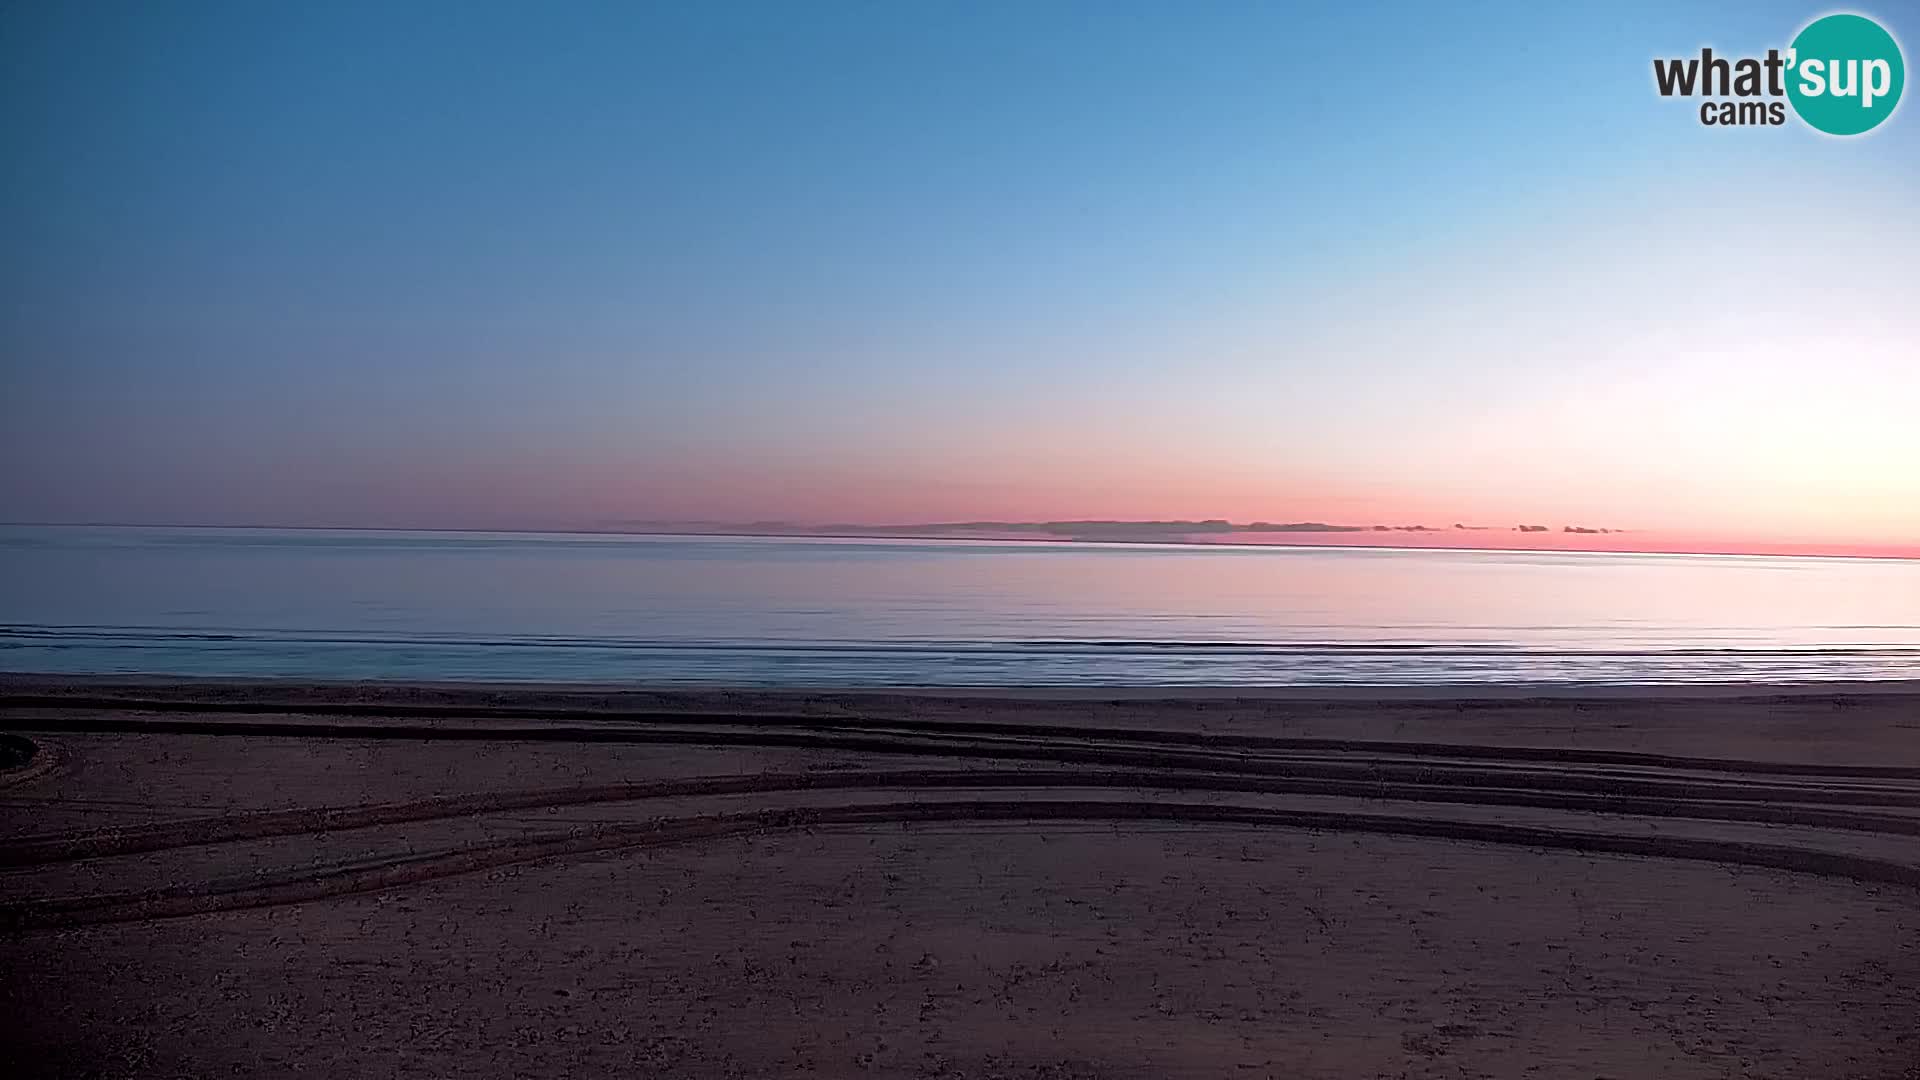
<point>936,744</point>
<point>1063,756</point>
<point>551,716</point>
<point>232,828</point>
<point>296,888</point>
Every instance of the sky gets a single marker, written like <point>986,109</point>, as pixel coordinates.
<point>516,265</point>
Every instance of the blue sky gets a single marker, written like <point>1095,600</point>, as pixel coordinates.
<point>472,263</point>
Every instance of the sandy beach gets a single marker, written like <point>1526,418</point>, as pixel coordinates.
<point>230,878</point>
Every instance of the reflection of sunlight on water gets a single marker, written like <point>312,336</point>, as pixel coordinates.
<point>822,612</point>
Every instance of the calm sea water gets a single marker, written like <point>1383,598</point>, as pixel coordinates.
<point>757,611</point>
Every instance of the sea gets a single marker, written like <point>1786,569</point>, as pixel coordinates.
<point>820,612</point>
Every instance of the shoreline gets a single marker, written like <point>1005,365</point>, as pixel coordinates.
<point>213,689</point>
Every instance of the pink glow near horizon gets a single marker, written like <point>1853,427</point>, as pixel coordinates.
<point>593,495</point>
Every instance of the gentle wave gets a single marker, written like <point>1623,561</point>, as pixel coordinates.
<point>133,636</point>
<point>306,654</point>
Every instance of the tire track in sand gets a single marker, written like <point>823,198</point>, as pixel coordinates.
<point>272,890</point>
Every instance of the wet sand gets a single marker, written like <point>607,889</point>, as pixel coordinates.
<point>223,878</point>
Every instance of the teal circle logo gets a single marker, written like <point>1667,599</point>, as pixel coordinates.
<point>1845,74</point>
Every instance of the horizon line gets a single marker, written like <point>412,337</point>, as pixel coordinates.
<point>1904,553</point>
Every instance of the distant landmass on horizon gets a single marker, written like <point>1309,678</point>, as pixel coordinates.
<point>1161,531</point>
